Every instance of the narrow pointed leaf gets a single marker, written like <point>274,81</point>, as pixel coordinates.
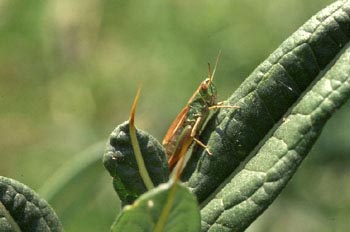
<point>68,190</point>
<point>169,207</point>
<point>21,209</point>
<point>73,171</point>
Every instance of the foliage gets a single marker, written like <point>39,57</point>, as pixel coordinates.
<point>67,92</point>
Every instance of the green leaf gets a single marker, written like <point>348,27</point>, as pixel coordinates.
<point>169,207</point>
<point>284,104</point>
<point>267,96</point>
<point>71,188</point>
<point>21,209</point>
<point>262,178</point>
<point>119,160</point>
<point>78,166</point>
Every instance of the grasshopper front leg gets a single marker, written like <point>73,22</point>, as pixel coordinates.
<point>220,105</point>
<point>194,132</point>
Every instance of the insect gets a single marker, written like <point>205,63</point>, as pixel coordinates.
<point>188,123</point>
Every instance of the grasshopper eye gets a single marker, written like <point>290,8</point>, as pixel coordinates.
<point>205,84</point>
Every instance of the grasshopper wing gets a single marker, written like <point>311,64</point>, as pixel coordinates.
<point>175,128</point>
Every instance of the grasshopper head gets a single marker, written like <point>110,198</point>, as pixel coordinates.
<point>207,89</point>
<point>208,92</point>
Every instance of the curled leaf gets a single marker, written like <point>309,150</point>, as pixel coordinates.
<point>120,162</point>
<point>21,209</point>
<point>169,207</point>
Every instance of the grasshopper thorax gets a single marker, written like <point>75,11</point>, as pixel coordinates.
<point>208,92</point>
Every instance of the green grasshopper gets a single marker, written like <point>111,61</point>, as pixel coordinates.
<point>188,123</point>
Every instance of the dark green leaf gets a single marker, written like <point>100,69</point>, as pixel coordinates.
<point>284,104</point>
<point>267,96</point>
<point>148,211</point>
<point>120,162</point>
<point>21,209</point>
<point>258,183</point>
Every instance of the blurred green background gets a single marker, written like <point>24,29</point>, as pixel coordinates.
<point>69,71</point>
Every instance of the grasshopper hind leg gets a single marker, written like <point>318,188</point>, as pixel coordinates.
<point>194,134</point>
<point>205,147</point>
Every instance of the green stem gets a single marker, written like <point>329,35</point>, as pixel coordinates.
<point>139,159</point>
<point>166,209</point>
<point>136,147</point>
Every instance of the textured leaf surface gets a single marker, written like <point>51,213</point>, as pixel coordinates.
<point>254,187</point>
<point>267,97</point>
<point>119,160</point>
<point>144,214</point>
<point>21,209</point>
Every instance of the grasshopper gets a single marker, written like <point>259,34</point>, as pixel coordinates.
<point>185,128</point>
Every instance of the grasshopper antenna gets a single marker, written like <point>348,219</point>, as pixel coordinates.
<point>214,70</point>
<point>209,74</point>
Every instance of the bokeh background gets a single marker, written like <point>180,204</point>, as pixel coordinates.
<point>69,71</point>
